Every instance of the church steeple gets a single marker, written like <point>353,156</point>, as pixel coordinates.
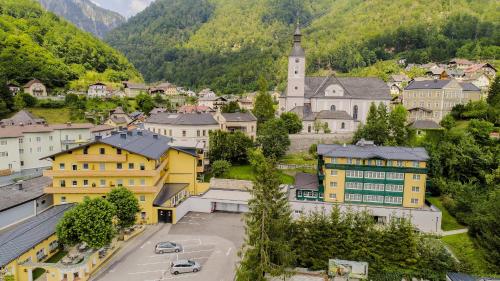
<point>297,36</point>
<point>297,50</point>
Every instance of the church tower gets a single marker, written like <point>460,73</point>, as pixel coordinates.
<point>296,73</point>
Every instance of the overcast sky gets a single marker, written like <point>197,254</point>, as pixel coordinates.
<point>127,8</point>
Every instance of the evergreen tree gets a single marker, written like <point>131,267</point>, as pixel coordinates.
<point>494,93</point>
<point>263,106</point>
<point>7,98</point>
<point>267,249</point>
<point>399,132</point>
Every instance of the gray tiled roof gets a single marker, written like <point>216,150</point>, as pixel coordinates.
<point>327,114</point>
<point>239,117</point>
<point>24,236</point>
<point>22,117</point>
<point>354,87</point>
<point>306,181</point>
<point>372,151</point>
<point>11,196</point>
<point>146,144</point>
<point>426,124</point>
<point>182,119</point>
<point>168,191</point>
<point>469,87</point>
<point>427,84</point>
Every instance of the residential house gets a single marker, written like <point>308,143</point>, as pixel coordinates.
<point>133,89</point>
<point>13,88</point>
<point>21,147</point>
<point>306,95</point>
<point>212,102</point>
<point>480,80</point>
<point>483,68</point>
<point>206,93</point>
<point>167,89</point>
<point>97,90</point>
<point>423,126</point>
<point>102,130</point>
<point>161,176</point>
<point>460,63</point>
<point>31,241</point>
<point>22,117</point>
<point>246,103</point>
<point>433,99</point>
<point>23,200</point>
<point>118,118</point>
<point>397,82</point>
<point>35,88</point>
<point>244,122</point>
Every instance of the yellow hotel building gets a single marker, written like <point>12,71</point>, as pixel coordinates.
<point>160,175</point>
<point>368,174</point>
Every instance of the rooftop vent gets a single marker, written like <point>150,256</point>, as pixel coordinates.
<point>363,142</point>
<point>155,136</point>
<point>20,185</point>
<point>114,133</point>
<point>98,138</point>
<point>139,133</point>
<point>130,133</point>
<point>123,135</point>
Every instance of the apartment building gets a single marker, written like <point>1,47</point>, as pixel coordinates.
<point>21,147</point>
<point>244,122</point>
<point>433,99</point>
<point>368,174</point>
<point>160,175</point>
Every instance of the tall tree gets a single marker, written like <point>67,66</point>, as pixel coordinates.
<point>263,106</point>
<point>273,138</point>
<point>267,249</point>
<point>399,132</point>
<point>126,205</point>
<point>90,221</point>
<point>494,92</point>
<point>145,102</point>
<point>229,146</point>
<point>292,122</point>
<point>7,97</point>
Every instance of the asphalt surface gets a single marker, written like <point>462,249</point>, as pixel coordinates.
<point>213,240</point>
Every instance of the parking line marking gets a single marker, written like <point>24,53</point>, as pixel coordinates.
<point>228,251</point>
<point>151,263</point>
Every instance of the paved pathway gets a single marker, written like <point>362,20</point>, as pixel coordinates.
<point>453,232</point>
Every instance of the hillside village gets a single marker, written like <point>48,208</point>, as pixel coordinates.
<point>344,177</point>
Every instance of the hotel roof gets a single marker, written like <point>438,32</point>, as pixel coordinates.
<point>26,235</point>
<point>11,195</point>
<point>365,150</point>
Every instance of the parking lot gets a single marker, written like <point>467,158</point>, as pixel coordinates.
<point>212,240</point>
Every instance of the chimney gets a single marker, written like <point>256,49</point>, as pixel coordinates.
<point>130,133</point>
<point>123,135</point>
<point>20,185</point>
<point>344,145</point>
<point>114,133</point>
<point>98,138</point>
<point>155,136</point>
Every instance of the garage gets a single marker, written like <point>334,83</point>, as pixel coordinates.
<point>229,207</point>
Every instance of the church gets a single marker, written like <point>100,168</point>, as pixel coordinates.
<point>339,104</point>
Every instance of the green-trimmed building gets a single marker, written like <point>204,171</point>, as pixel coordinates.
<point>367,174</point>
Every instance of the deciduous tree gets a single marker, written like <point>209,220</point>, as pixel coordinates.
<point>273,138</point>
<point>292,122</point>
<point>126,206</point>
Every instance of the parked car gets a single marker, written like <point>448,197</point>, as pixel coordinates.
<point>184,266</point>
<point>168,247</point>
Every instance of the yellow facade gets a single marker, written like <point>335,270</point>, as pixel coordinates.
<point>77,175</point>
<point>413,195</point>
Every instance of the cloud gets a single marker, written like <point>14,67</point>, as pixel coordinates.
<point>137,6</point>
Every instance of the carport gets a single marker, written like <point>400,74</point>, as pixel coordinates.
<point>227,195</point>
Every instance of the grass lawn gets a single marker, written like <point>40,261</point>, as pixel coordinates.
<point>54,115</point>
<point>302,158</point>
<point>245,172</point>
<point>467,253</point>
<point>449,222</point>
<point>55,258</point>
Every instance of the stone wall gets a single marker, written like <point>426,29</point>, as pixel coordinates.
<point>302,142</point>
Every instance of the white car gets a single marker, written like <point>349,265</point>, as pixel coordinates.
<point>184,266</point>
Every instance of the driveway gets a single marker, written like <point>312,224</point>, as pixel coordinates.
<point>211,239</point>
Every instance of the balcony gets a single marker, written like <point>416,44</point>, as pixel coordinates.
<point>96,190</point>
<point>97,173</point>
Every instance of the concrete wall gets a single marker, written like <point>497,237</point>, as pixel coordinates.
<point>426,220</point>
<point>17,214</point>
<point>302,142</point>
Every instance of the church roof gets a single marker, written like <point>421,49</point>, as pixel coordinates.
<point>354,87</point>
<point>328,114</point>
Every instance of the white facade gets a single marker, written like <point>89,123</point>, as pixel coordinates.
<point>198,133</point>
<point>97,90</point>
<point>24,149</point>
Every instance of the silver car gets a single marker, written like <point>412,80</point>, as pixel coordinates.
<point>168,247</point>
<point>184,266</point>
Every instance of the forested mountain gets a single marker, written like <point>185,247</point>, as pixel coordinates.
<point>85,14</point>
<point>227,44</point>
<point>35,43</point>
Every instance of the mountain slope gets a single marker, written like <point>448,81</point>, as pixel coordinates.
<point>85,14</point>
<point>228,44</point>
<point>38,44</point>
